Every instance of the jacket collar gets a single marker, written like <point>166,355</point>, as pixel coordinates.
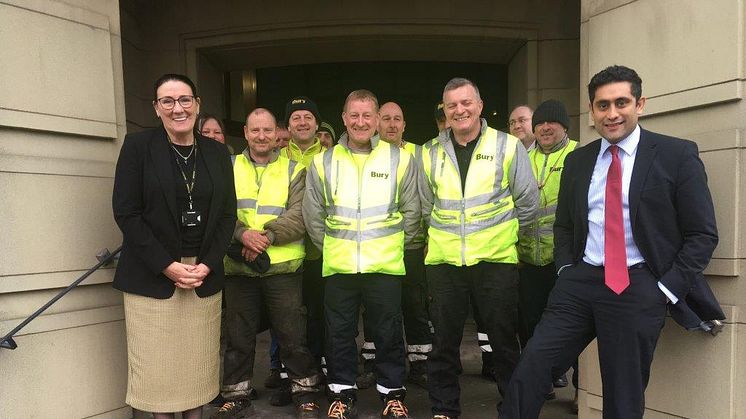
<point>444,136</point>
<point>344,142</point>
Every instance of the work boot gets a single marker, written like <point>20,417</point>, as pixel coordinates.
<point>282,395</point>
<point>343,406</point>
<point>233,409</point>
<point>307,410</point>
<point>395,408</point>
<point>274,379</point>
<point>418,373</point>
<point>368,378</point>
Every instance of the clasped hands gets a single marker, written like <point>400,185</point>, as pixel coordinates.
<point>254,242</point>
<point>186,276</point>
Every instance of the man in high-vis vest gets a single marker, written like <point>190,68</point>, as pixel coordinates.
<point>362,208</point>
<point>536,243</point>
<point>519,125</point>
<point>303,121</point>
<point>391,126</point>
<point>269,189</point>
<point>476,190</point>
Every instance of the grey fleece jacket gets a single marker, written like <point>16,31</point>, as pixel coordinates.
<point>315,211</point>
<point>521,180</point>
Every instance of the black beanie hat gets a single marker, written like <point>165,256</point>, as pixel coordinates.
<point>550,111</point>
<point>301,103</point>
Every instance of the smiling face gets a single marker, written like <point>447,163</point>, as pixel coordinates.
<point>615,111</point>
<point>302,126</point>
<point>361,120</point>
<point>519,123</point>
<point>391,123</point>
<point>549,134</point>
<point>259,132</point>
<point>463,108</point>
<point>211,129</point>
<point>178,122</point>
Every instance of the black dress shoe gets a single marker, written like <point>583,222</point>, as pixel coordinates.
<point>561,381</point>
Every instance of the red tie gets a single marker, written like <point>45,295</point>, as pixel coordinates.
<point>615,252</point>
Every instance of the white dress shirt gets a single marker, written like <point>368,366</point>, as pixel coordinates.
<point>594,247</point>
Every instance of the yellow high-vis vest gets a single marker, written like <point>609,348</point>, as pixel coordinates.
<point>480,223</point>
<point>536,242</point>
<point>262,198</point>
<point>293,152</point>
<point>364,229</point>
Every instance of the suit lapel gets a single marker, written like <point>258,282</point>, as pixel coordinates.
<point>585,172</point>
<point>212,162</point>
<point>643,160</point>
<point>161,156</point>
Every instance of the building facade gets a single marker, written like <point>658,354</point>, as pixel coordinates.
<point>77,75</point>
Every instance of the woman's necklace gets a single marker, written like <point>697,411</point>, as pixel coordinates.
<point>185,158</point>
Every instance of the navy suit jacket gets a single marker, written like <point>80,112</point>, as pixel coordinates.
<point>671,213</point>
<point>145,209</point>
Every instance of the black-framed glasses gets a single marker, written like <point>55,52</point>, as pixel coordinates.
<point>167,102</point>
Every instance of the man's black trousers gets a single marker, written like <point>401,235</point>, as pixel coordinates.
<point>494,289</point>
<point>381,295</point>
<point>581,308</point>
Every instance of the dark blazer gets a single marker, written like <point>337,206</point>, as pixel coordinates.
<point>671,212</point>
<point>144,203</point>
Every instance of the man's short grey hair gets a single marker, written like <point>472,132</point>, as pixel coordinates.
<point>363,95</point>
<point>457,82</point>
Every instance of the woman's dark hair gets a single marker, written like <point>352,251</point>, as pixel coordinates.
<point>613,74</point>
<point>204,117</point>
<point>175,77</point>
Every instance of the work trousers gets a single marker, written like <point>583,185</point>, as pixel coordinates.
<point>494,289</point>
<point>580,308</point>
<point>281,294</point>
<point>381,295</point>
<point>536,282</point>
<point>313,298</point>
<point>414,310</point>
<point>534,286</point>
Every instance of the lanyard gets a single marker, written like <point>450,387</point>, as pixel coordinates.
<point>551,169</point>
<point>187,183</point>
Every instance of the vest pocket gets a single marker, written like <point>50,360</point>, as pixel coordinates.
<point>489,211</point>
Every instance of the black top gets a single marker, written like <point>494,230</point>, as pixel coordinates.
<point>147,212</point>
<point>191,237</point>
<point>463,157</point>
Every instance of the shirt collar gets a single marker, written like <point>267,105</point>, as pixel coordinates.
<point>628,144</point>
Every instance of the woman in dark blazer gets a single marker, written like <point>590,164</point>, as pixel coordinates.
<point>175,202</point>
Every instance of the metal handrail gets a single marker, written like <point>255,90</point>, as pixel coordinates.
<point>104,257</point>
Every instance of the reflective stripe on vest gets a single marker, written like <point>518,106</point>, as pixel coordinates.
<point>480,223</point>
<point>364,229</point>
<point>536,241</point>
<point>261,199</point>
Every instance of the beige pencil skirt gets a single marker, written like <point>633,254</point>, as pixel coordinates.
<point>173,351</point>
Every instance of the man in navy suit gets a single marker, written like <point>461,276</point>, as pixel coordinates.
<point>635,228</point>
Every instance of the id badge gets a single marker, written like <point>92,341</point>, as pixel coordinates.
<point>191,218</point>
